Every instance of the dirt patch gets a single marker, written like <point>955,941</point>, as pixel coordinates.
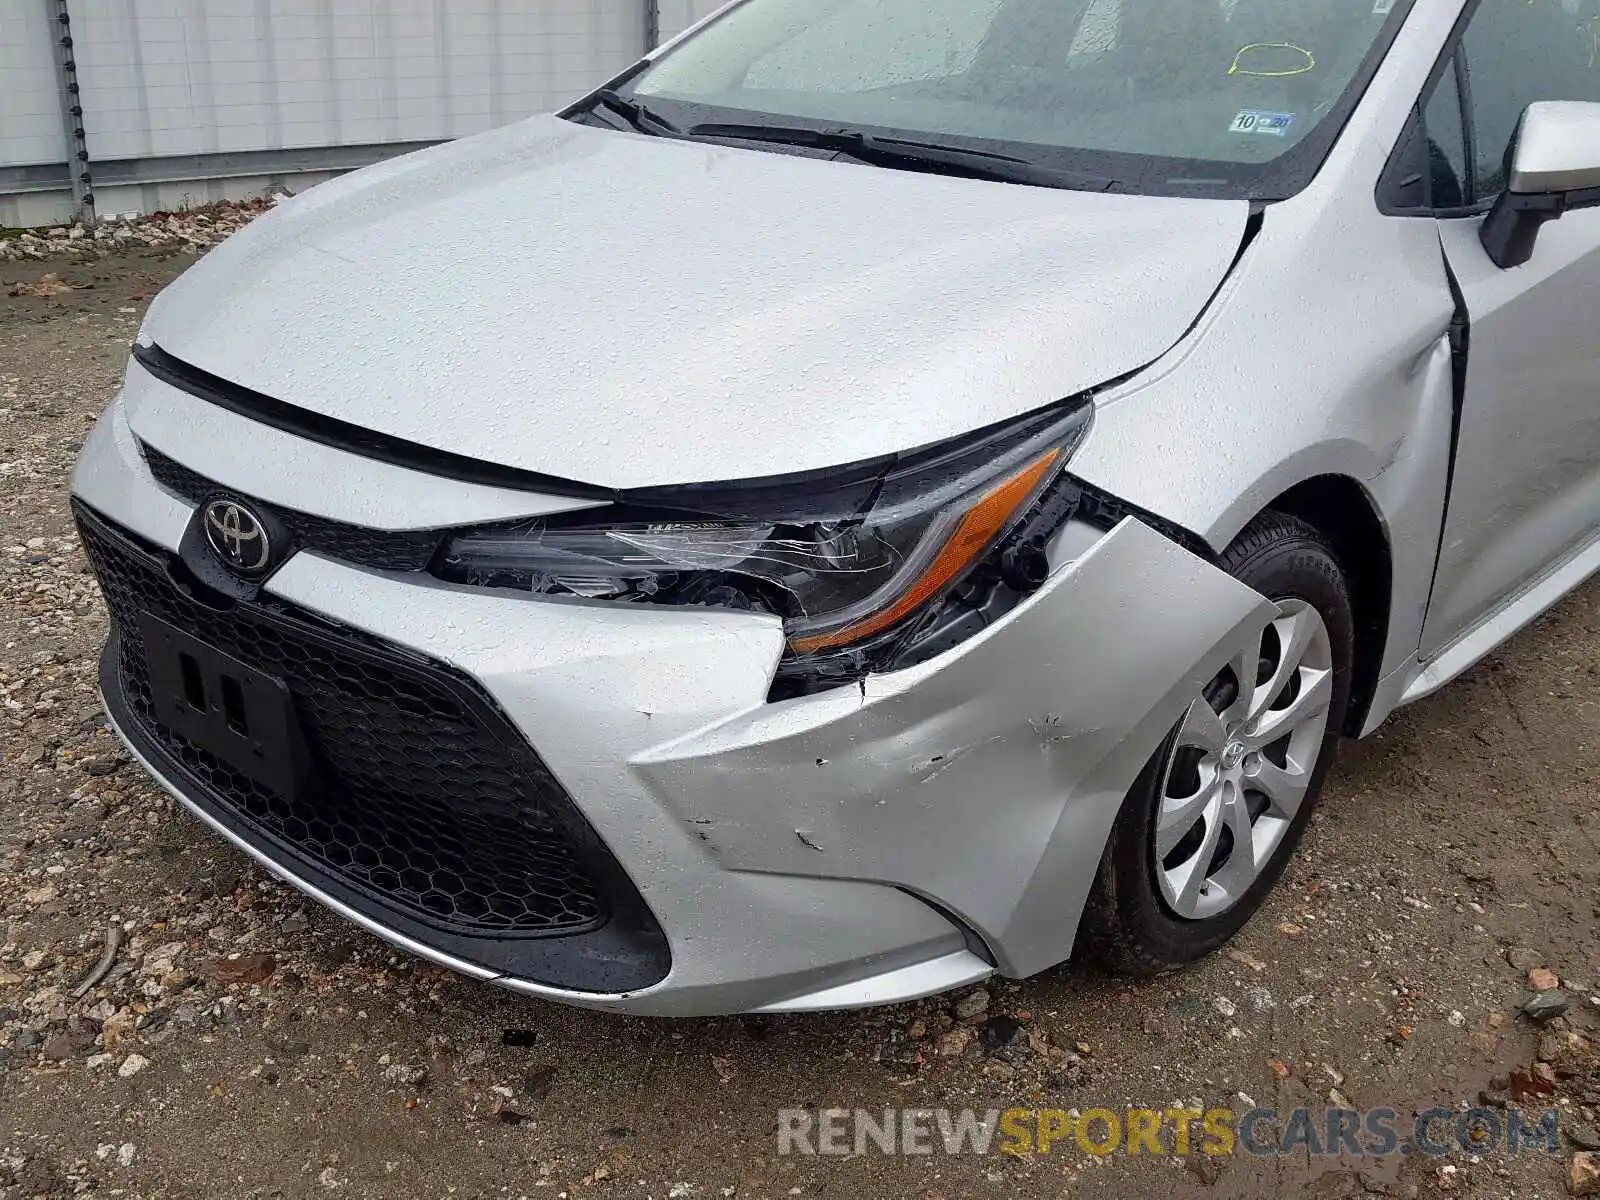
<point>244,1043</point>
<point>40,292</point>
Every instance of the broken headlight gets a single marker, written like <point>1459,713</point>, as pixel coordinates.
<point>856,562</point>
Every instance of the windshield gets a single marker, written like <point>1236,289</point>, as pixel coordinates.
<point>1186,96</point>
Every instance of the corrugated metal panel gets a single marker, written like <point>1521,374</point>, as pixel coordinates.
<point>678,15</point>
<point>166,77</point>
<point>30,106</point>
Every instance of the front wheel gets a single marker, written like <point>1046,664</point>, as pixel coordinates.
<point>1211,822</point>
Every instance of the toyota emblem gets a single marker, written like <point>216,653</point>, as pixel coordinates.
<point>238,536</point>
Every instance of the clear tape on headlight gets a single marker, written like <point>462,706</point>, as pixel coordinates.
<point>852,561</point>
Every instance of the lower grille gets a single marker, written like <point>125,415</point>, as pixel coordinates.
<point>421,796</point>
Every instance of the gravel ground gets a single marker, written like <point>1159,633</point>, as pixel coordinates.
<point>245,1044</point>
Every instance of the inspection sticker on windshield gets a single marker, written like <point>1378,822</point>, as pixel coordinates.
<point>1253,120</point>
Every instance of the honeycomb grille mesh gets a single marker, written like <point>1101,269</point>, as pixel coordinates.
<point>380,549</point>
<point>417,797</point>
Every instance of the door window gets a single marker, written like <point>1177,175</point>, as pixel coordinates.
<point>1447,144</point>
<point>1517,52</point>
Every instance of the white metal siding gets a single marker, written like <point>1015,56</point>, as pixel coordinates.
<point>30,108</point>
<point>678,15</point>
<point>170,77</point>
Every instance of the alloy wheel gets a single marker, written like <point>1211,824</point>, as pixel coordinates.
<point>1241,764</point>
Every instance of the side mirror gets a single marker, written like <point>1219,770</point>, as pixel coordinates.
<point>1555,166</point>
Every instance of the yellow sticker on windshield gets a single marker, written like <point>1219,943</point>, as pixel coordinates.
<point>1273,60</point>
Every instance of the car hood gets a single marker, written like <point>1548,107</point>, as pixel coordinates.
<point>628,311</point>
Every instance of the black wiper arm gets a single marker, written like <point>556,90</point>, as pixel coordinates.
<point>907,152</point>
<point>636,114</point>
<point>848,140</point>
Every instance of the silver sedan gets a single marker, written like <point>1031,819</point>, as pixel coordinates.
<point>882,493</point>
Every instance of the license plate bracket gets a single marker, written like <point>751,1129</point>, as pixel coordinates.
<point>232,710</point>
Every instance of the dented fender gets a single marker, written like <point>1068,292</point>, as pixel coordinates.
<point>986,780</point>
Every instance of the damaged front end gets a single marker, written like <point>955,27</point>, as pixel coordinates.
<point>871,568</point>
<point>984,781</point>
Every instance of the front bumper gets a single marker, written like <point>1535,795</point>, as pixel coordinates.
<point>862,846</point>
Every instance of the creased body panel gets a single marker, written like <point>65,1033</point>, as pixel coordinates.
<point>1319,357</point>
<point>988,779</point>
<point>592,685</point>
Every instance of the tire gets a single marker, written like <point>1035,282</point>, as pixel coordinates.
<point>1130,923</point>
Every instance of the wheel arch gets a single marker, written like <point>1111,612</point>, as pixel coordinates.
<point>1343,511</point>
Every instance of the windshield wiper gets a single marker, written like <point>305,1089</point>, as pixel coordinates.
<point>635,113</point>
<point>907,153</point>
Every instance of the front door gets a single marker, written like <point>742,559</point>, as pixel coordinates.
<point>1526,489</point>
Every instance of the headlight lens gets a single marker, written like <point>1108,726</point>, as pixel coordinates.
<point>853,561</point>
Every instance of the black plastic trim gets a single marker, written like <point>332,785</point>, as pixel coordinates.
<point>293,530</point>
<point>1512,227</point>
<point>1405,184</point>
<point>342,435</point>
<point>1102,510</point>
<point>1460,334</point>
<point>1469,121</point>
